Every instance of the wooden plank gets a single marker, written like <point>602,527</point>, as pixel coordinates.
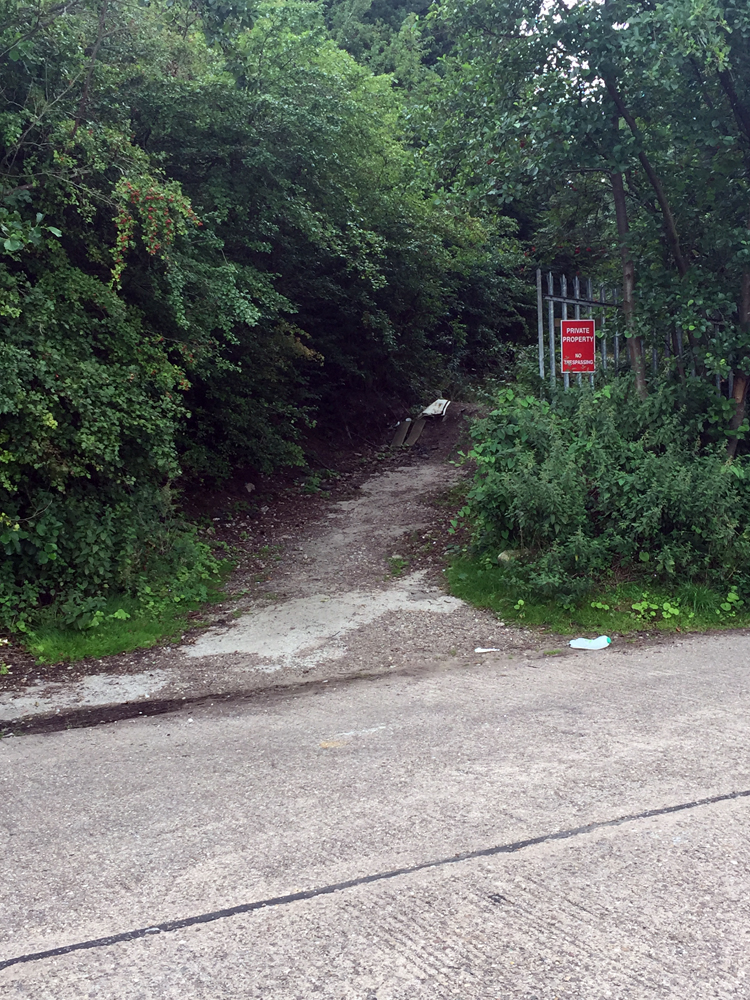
<point>401,431</point>
<point>416,429</point>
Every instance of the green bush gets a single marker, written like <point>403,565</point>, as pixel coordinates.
<point>600,484</point>
<point>211,236</point>
<point>89,403</point>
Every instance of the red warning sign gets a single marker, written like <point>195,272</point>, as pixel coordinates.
<point>578,350</point>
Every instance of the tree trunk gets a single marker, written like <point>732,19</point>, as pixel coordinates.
<point>670,226</point>
<point>741,380</point>
<point>740,110</point>
<point>87,85</point>
<point>635,351</point>
<point>678,356</point>
<point>739,394</point>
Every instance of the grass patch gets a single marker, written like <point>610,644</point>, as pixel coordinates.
<point>621,608</point>
<point>57,643</point>
<point>124,625</point>
<point>397,565</point>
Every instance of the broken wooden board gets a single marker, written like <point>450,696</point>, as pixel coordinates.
<point>416,429</point>
<point>402,429</point>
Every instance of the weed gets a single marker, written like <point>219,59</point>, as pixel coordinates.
<point>119,625</point>
<point>397,565</point>
<point>696,596</point>
<point>241,507</point>
<point>597,484</point>
<point>730,607</point>
<point>272,552</point>
<point>620,607</point>
<point>312,483</point>
<point>454,497</point>
<point>645,609</point>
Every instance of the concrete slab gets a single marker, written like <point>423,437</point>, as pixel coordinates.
<point>130,825</point>
<point>303,631</point>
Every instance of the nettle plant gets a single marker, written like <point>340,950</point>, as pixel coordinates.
<point>601,482</point>
<point>647,610</point>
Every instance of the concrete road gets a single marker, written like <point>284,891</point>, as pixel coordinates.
<point>529,827</point>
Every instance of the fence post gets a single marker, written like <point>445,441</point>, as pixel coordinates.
<point>604,329</point>
<point>540,320</point>
<point>718,376</point>
<point>551,317</point>
<point>577,295</point>
<point>590,297</point>
<point>564,294</point>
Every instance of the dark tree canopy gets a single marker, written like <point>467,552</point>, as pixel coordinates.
<point>214,230</point>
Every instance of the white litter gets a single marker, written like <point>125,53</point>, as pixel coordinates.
<point>436,409</point>
<point>599,643</point>
<point>487,649</point>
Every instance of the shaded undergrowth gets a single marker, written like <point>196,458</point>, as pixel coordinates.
<point>123,624</point>
<point>618,607</point>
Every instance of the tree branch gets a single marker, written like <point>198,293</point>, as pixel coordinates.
<point>89,75</point>
<point>740,110</point>
<point>15,190</point>
<point>39,26</point>
<point>669,223</point>
<point>628,284</point>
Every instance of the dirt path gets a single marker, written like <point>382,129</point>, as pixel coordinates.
<point>358,588</point>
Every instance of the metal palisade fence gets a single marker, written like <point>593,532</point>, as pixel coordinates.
<point>559,300</point>
<point>583,305</point>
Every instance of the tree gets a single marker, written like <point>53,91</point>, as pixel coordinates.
<point>213,230</point>
<point>654,99</point>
